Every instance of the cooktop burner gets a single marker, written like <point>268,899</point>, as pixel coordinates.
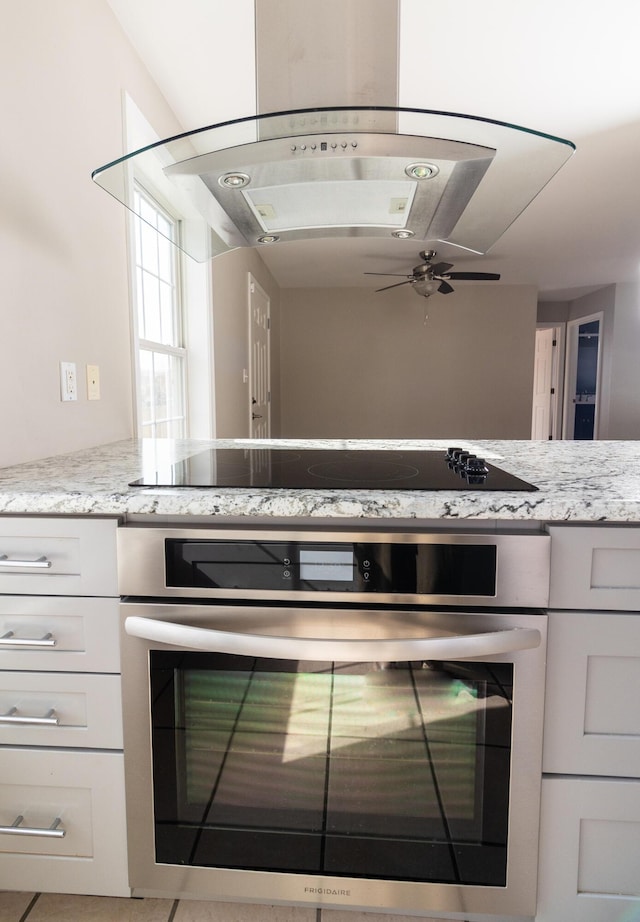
<point>334,469</point>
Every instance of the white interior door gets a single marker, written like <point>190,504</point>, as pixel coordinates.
<point>543,385</point>
<point>259,363</point>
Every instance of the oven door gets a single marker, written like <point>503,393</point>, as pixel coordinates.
<point>373,759</point>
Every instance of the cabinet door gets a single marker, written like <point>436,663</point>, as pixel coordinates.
<point>40,556</point>
<point>81,795</point>
<point>595,568</point>
<point>589,850</point>
<point>592,718</point>
<point>60,709</point>
<point>67,634</point>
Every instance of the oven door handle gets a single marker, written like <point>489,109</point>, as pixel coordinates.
<point>454,647</point>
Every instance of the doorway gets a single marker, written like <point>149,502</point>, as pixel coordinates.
<point>582,378</point>
<point>546,417</point>
<point>259,361</point>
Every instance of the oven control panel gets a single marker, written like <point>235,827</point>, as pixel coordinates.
<point>333,566</point>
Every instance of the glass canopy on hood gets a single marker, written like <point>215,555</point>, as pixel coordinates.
<point>342,172</point>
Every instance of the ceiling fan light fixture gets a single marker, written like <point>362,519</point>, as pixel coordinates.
<point>422,170</point>
<point>425,287</point>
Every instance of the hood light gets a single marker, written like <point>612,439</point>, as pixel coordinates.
<point>403,234</point>
<point>421,170</point>
<point>234,180</point>
<point>268,238</point>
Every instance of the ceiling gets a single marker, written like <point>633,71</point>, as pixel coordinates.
<point>564,67</point>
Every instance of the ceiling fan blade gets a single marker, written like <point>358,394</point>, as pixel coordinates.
<point>441,268</point>
<point>397,285</point>
<point>400,275</point>
<point>445,288</point>
<point>474,276</point>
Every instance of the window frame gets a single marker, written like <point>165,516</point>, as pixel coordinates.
<point>176,351</point>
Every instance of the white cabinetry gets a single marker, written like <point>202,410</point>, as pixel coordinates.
<point>62,815</point>
<point>590,826</point>
<point>592,722</point>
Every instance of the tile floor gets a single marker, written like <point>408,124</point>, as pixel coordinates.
<point>62,907</point>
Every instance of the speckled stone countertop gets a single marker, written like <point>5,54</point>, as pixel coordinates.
<point>577,481</point>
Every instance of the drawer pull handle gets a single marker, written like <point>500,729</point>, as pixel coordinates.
<point>41,563</point>
<point>54,831</point>
<point>10,640</point>
<point>12,717</point>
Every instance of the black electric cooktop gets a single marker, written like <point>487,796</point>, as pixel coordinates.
<point>334,469</point>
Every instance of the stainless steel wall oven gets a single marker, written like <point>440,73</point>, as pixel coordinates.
<point>335,718</point>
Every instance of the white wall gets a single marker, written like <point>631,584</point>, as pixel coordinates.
<point>63,263</point>
<point>624,403</point>
<point>360,365</point>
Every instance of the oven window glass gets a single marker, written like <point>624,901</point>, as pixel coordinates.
<point>396,771</point>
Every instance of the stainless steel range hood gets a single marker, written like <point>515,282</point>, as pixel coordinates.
<point>343,172</point>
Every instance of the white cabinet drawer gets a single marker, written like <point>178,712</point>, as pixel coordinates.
<point>592,719</point>
<point>58,556</point>
<point>595,568</point>
<point>589,850</point>
<point>85,793</point>
<point>62,634</point>
<point>60,709</point>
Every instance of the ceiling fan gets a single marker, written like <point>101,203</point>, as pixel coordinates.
<point>429,277</point>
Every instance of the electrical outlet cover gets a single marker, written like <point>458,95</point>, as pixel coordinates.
<point>68,381</point>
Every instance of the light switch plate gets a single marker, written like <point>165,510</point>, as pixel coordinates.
<point>93,382</point>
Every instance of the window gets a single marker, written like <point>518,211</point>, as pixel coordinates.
<point>160,352</point>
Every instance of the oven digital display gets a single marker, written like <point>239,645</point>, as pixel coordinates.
<point>436,569</point>
<point>321,565</point>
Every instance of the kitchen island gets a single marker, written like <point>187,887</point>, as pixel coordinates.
<point>68,510</point>
<point>577,482</point>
